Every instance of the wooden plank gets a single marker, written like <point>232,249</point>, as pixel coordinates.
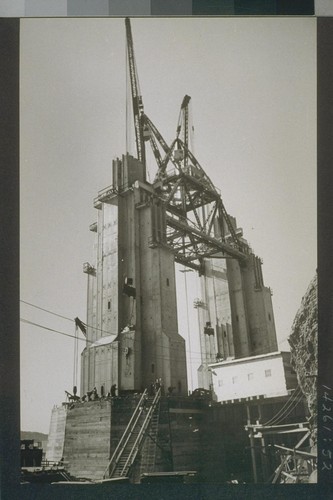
<point>278,470</point>
<point>296,452</point>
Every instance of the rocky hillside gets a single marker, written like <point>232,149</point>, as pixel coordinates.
<point>304,349</point>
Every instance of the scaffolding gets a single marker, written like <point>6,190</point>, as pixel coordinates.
<point>296,465</point>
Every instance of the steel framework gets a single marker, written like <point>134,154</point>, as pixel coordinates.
<point>198,225</point>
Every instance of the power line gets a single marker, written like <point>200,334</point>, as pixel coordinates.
<point>92,341</point>
<point>292,408</point>
<point>49,329</point>
<point>88,326</point>
<point>45,310</point>
<point>284,408</point>
<point>64,317</point>
<point>281,413</point>
<point>101,329</point>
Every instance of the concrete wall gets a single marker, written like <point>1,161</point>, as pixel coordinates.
<point>56,437</point>
<point>260,375</point>
<point>87,439</point>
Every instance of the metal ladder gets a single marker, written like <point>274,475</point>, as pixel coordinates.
<point>132,438</point>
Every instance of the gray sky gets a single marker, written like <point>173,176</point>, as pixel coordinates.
<point>253,88</point>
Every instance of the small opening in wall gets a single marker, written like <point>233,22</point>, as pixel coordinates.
<point>109,305</point>
<point>167,282</point>
<point>152,367</point>
<point>269,317</point>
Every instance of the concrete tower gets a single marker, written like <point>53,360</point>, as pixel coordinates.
<point>236,316</point>
<point>132,334</point>
<point>252,310</point>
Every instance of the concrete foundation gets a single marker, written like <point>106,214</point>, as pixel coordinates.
<point>93,430</point>
<point>198,435</point>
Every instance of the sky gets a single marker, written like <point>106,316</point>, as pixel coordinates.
<point>253,87</point>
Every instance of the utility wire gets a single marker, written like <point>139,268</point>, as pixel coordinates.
<point>50,329</point>
<point>101,329</point>
<point>46,310</point>
<point>279,416</point>
<point>88,326</point>
<point>64,317</point>
<point>292,408</point>
<point>90,341</point>
<point>286,406</point>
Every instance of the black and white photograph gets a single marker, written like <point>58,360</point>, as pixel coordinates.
<point>168,250</point>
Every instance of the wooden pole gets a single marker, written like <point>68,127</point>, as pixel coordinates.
<point>253,453</point>
<point>263,450</point>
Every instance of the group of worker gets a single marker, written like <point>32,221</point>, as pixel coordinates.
<point>93,395</point>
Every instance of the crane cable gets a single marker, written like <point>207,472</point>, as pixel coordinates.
<point>75,364</point>
<point>188,328</point>
<point>127,106</point>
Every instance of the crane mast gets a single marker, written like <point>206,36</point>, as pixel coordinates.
<point>136,98</point>
<point>194,207</point>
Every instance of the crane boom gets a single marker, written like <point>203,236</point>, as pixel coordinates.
<point>184,108</point>
<point>136,98</point>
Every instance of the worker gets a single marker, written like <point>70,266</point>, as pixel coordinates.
<point>94,394</point>
<point>170,389</point>
<point>113,390</point>
<point>157,384</point>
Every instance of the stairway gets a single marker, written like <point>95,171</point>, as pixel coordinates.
<point>148,454</point>
<point>132,439</point>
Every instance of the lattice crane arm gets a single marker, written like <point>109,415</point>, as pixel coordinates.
<point>184,110</point>
<point>136,97</point>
